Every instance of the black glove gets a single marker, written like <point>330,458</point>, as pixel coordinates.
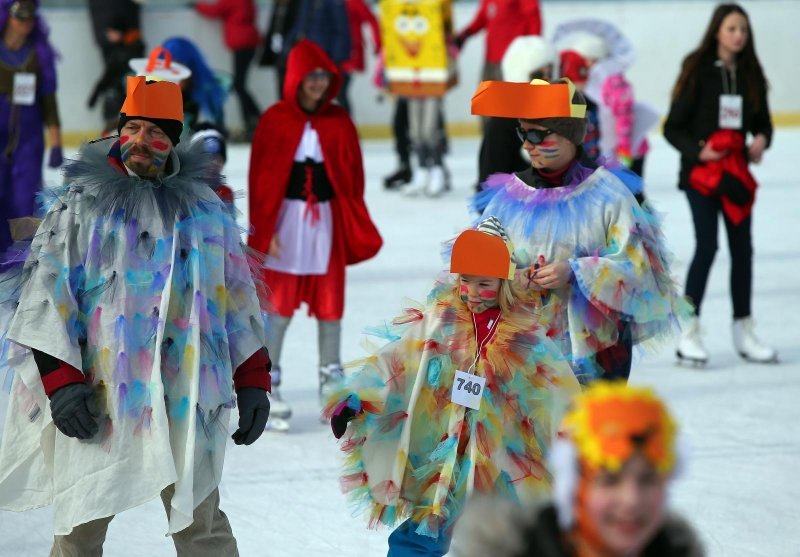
<point>339,421</point>
<point>733,188</point>
<point>459,41</point>
<point>75,412</point>
<point>253,413</point>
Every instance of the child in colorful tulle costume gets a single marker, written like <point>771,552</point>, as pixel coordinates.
<point>464,398</point>
<point>579,233</point>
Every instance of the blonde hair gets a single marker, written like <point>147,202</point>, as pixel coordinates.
<point>507,294</point>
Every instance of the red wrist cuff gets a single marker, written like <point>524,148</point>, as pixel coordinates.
<point>61,377</point>
<point>254,372</point>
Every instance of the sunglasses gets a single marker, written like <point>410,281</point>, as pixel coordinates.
<point>533,136</point>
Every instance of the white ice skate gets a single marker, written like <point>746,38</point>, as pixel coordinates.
<point>690,348</point>
<point>278,408</point>
<point>419,182</point>
<point>437,184</point>
<point>748,346</point>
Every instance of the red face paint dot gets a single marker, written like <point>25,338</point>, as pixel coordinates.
<point>464,289</point>
<point>485,294</point>
<point>160,145</point>
<point>548,144</point>
<point>123,139</point>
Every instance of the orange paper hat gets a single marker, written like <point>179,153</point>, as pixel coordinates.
<point>156,100</point>
<point>483,252</point>
<point>530,101</point>
<point>610,422</point>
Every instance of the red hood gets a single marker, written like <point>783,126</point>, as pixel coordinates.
<point>303,59</point>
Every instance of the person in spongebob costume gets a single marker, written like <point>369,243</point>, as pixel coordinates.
<point>130,331</point>
<point>613,465</point>
<point>581,239</point>
<point>415,450</point>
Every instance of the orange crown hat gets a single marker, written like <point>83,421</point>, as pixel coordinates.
<point>529,101</point>
<point>158,100</point>
<point>485,252</point>
<point>610,422</point>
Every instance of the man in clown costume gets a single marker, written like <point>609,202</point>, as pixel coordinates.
<point>135,327</point>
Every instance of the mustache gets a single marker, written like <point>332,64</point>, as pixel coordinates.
<point>140,150</point>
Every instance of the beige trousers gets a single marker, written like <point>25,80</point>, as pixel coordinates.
<point>208,536</point>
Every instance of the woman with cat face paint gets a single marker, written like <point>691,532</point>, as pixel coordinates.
<point>582,240</point>
<point>464,398</point>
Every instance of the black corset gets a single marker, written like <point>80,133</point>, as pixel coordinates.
<point>313,172</point>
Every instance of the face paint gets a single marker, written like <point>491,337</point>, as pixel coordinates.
<point>479,293</point>
<point>143,149</point>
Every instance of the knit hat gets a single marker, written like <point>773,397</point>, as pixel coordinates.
<point>485,251</point>
<point>213,140</point>
<point>573,129</point>
<point>588,45</point>
<point>526,55</point>
<point>159,102</point>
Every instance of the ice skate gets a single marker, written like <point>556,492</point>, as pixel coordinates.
<point>748,346</point>
<point>278,408</point>
<point>397,179</point>
<point>437,183</point>
<point>330,377</point>
<point>690,350</point>
<point>419,182</point>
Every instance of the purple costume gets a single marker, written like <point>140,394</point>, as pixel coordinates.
<point>21,134</point>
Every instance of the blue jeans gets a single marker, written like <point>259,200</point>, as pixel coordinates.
<point>405,542</point>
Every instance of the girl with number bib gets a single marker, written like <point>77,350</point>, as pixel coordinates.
<point>465,397</point>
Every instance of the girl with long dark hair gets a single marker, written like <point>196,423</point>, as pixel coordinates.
<point>719,98</point>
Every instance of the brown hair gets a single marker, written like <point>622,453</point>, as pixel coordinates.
<point>746,61</point>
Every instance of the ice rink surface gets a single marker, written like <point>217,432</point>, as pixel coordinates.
<point>741,487</point>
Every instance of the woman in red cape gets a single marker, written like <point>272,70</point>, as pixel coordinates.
<point>307,205</point>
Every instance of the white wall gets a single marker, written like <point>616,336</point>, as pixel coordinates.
<point>662,31</point>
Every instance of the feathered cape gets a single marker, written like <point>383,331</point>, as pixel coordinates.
<point>616,249</point>
<point>144,286</point>
<point>403,456</point>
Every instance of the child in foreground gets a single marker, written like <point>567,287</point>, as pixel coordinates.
<point>465,397</point>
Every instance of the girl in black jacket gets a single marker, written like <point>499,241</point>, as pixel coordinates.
<point>721,87</point>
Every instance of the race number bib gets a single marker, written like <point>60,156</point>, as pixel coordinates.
<point>468,389</point>
<point>24,88</point>
<point>730,112</point>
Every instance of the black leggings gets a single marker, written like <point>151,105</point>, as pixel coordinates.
<point>705,213</point>
<point>241,64</point>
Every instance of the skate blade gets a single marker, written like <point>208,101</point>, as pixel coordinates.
<point>773,360</point>
<point>278,425</point>
<point>694,363</point>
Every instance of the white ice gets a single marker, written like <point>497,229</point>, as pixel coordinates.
<point>740,488</point>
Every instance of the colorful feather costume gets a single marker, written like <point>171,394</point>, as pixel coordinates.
<point>145,287</point>
<point>411,452</point>
<point>616,250</point>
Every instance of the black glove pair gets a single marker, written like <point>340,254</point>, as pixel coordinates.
<point>75,411</point>
<point>253,414</point>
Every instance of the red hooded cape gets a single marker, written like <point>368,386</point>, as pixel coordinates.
<point>275,141</point>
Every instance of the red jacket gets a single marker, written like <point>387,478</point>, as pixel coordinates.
<point>359,13</point>
<point>238,26</point>
<point>706,176</point>
<point>504,21</point>
<point>275,141</point>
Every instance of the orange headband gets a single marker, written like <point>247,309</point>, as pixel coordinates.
<point>529,101</point>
